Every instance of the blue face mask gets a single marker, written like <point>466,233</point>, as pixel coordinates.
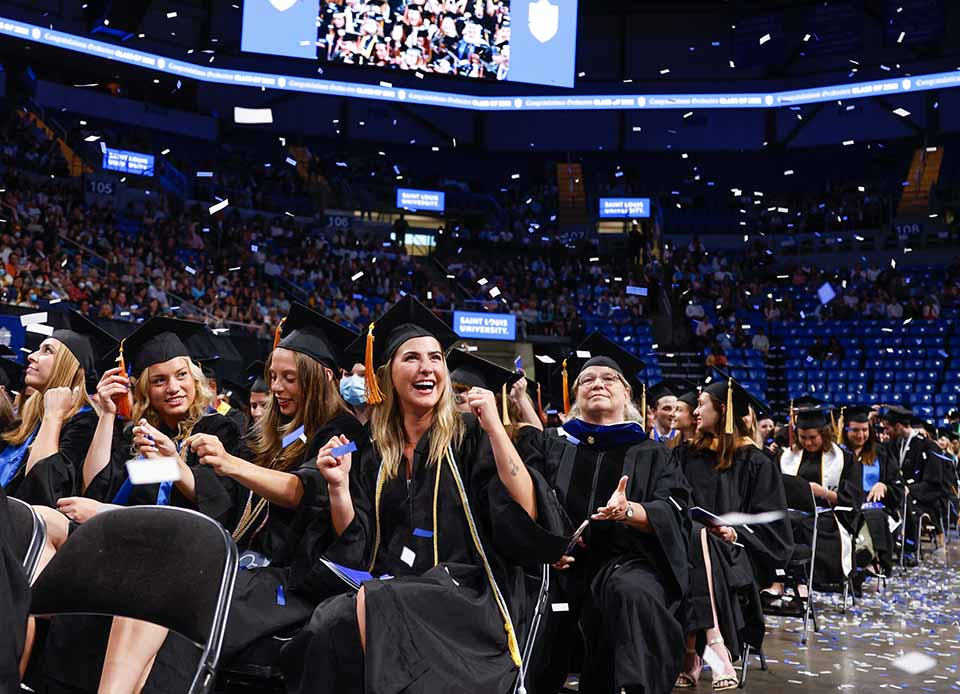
<point>353,390</point>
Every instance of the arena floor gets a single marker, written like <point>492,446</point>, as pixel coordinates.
<point>867,649</point>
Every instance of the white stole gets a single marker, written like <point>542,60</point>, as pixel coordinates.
<point>831,467</point>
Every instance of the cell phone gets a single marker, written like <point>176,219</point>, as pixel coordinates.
<point>576,536</point>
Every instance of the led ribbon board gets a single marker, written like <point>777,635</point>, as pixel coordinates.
<point>422,200</point>
<point>573,102</point>
<point>128,162</point>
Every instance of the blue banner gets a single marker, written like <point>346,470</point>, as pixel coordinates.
<point>280,27</point>
<point>625,208</point>
<point>427,200</point>
<point>127,162</point>
<point>485,326</point>
<point>543,42</point>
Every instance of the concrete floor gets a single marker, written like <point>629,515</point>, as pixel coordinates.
<point>919,612</point>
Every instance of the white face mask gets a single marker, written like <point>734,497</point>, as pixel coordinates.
<point>353,389</point>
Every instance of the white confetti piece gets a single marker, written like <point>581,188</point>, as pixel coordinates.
<point>914,663</point>
<point>252,116</point>
<point>222,205</point>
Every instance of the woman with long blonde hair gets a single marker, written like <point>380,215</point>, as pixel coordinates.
<point>279,488</point>
<point>44,449</point>
<point>165,400</point>
<point>436,499</point>
<point>728,473</point>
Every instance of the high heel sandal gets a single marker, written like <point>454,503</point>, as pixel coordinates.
<point>688,679</point>
<point>724,681</point>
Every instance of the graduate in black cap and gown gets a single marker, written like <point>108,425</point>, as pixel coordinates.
<point>220,404</point>
<point>925,470</point>
<point>662,399</point>
<point>166,398</point>
<point>836,478</point>
<point>520,417</point>
<point>625,581</point>
<point>258,392</point>
<point>684,422</point>
<point>42,454</point>
<point>284,493</point>
<point>729,473</point>
<point>11,384</point>
<point>882,482</point>
<point>440,502</point>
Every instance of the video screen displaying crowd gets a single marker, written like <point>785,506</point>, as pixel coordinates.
<point>468,38</point>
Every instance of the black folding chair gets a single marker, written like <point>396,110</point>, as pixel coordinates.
<point>530,639</point>
<point>168,566</point>
<point>802,503</point>
<point>30,534</point>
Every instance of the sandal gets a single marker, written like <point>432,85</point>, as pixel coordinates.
<point>688,679</point>
<point>724,681</point>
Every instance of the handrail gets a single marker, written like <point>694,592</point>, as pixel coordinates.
<point>83,248</point>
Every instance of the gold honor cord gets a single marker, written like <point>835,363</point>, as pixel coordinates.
<point>508,627</point>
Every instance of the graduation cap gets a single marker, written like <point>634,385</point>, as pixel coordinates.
<point>236,392</point>
<point>856,413</point>
<point>207,365</point>
<point>256,380</point>
<point>662,389</point>
<point>85,340</point>
<point>597,350</point>
<point>728,390</point>
<point>11,373</point>
<point>158,340</point>
<point>815,417</point>
<point>807,401</point>
<point>468,370</point>
<point>305,331</point>
<point>403,321</point>
<point>950,433</point>
<point>896,414</point>
<point>684,390</point>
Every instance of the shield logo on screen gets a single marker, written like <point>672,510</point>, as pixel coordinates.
<point>543,20</point>
<point>283,5</point>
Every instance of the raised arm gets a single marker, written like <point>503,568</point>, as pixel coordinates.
<point>510,467</point>
<point>112,384</point>
<point>57,402</point>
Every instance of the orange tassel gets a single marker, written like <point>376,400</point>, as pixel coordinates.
<point>374,396</point>
<point>543,415</point>
<point>122,401</point>
<point>278,335</point>
<point>566,388</point>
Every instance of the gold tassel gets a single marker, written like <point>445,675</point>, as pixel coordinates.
<point>504,402</point>
<point>278,335</point>
<point>543,415</point>
<point>728,424</point>
<point>838,426</point>
<point>374,396</point>
<point>512,644</point>
<point>566,389</point>
<point>643,403</point>
<point>790,427</point>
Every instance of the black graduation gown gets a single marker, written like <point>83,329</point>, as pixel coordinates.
<point>72,656</point>
<point>14,603</point>
<point>433,627</point>
<point>264,603</point>
<point>751,485</point>
<point>626,588</point>
<point>877,519</point>
<point>927,473</point>
<point>829,559</point>
<point>56,476</point>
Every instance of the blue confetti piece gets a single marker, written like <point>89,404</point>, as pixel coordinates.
<point>293,436</point>
<point>343,450</point>
<point>637,291</point>
<point>420,532</point>
<point>281,598</point>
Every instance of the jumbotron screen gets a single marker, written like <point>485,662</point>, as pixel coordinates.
<point>530,41</point>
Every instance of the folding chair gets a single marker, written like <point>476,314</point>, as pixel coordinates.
<point>539,610</point>
<point>30,533</point>
<point>169,566</point>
